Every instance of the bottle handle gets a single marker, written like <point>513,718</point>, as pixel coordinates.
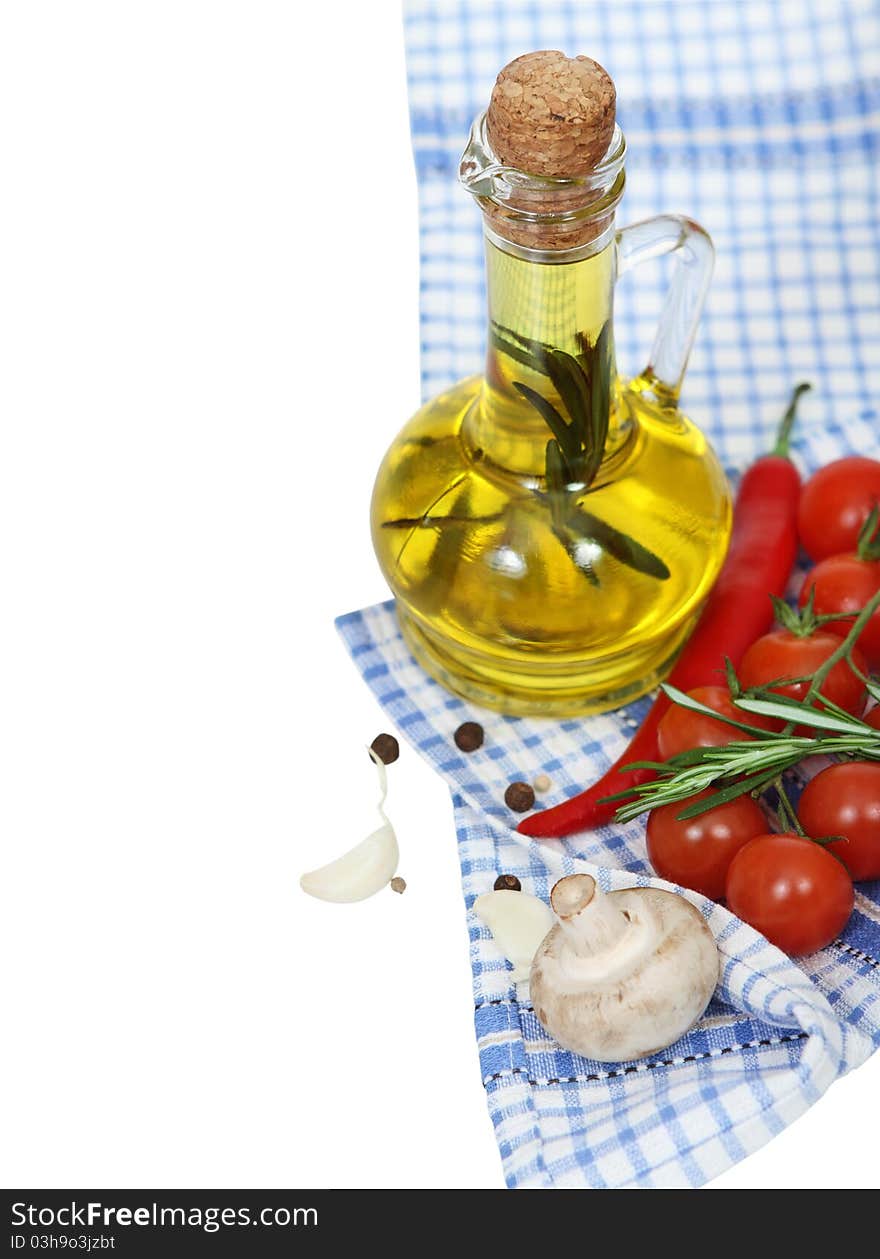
<point>652,238</point>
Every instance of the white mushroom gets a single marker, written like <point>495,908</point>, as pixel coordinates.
<point>364,869</point>
<point>623,975</point>
<point>518,923</point>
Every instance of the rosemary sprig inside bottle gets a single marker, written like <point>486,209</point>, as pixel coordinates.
<point>574,452</point>
<point>741,768</point>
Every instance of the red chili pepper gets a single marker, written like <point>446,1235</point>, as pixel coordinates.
<point>763,547</point>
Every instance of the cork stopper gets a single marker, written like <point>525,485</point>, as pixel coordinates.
<point>550,118</point>
<point>552,115</point>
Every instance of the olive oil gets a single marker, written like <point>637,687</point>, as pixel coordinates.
<point>550,538</point>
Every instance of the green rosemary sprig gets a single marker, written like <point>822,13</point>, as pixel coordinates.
<point>620,545</point>
<point>583,384</point>
<point>438,522</point>
<point>741,768</point>
<point>738,769</point>
<point>575,451</point>
<point>567,439</point>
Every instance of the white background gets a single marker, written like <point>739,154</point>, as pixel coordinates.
<point>209,304</point>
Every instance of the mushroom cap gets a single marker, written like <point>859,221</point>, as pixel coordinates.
<point>640,1007</point>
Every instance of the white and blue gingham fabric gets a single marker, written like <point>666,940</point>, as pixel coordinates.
<point>761,120</point>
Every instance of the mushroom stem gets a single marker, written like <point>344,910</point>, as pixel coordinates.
<point>589,921</point>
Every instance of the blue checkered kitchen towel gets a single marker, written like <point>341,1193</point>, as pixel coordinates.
<point>759,119</point>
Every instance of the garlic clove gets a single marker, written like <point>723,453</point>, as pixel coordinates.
<point>518,922</point>
<point>364,869</point>
<point>359,873</point>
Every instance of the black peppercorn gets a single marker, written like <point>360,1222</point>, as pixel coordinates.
<point>507,883</point>
<point>386,748</point>
<point>469,736</point>
<point>520,797</point>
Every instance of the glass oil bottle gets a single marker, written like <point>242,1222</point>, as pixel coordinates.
<point>549,531</point>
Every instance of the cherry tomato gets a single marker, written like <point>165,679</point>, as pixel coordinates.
<point>791,890</point>
<point>845,583</point>
<point>835,503</point>
<point>783,654</point>
<point>845,800</point>
<point>697,852</point>
<point>680,729</point>
<point>873,717</point>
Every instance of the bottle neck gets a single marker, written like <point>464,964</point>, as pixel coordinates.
<point>546,348</point>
